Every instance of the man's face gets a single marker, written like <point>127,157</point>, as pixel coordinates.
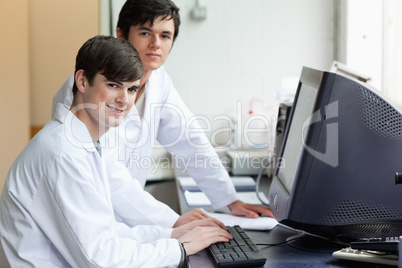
<point>109,102</point>
<point>153,43</point>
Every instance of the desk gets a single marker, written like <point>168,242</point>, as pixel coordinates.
<point>284,255</point>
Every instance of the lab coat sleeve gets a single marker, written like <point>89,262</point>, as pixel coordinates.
<point>64,95</point>
<point>182,136</point>
<point>132,204</point>
<point>76,216</point>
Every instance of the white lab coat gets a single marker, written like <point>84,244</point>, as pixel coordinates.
<point>56,208</point>
<point>163,116</point>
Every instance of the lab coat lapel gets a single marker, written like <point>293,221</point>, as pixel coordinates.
<point>78,135</point>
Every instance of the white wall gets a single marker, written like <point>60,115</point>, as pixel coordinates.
<point>373,44</point>
<point>364,43</point>
<point>245,48</point>
<point>392,79</point>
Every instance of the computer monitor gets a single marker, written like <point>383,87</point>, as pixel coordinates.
<point>341,149</point>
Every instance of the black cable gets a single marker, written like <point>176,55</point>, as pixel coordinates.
<point>298,236</point>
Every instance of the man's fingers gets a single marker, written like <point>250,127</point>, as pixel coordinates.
<point>219,223</point>
<point>208,222</point>
<point>214,234</point>
<point>260,210</point>
<point>199,214</point>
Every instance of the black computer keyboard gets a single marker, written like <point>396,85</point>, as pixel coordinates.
<point>238,252</point>
<point>383,244</point>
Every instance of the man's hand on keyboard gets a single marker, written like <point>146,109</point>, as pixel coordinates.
<point>209,222</point>
<point>239,208</point>
<point>201,237</point>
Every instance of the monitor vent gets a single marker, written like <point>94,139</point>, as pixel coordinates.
<point>350,232</point>
<point>378,115</point>
<point>355,211</point>
<point>375,229</point>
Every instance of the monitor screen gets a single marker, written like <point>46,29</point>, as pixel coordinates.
<point>340,151</point>
<point>295,138</point>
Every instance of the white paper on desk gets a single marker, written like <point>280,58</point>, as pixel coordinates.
<point>196,199</point>
<point>261,223</point>
<point>241,183</point>
<point>200,199</point>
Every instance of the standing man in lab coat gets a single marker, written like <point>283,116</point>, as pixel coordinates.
<point>152,26</point>
<point>56,208</point>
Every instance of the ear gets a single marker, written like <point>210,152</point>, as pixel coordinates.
<point>81,80</point>
<point>119,33</point>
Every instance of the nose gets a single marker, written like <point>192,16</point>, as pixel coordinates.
<point>122,97</point>
<point>155,42</point>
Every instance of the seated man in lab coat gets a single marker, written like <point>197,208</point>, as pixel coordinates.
<point>56,207</point>
<point>152,26</point>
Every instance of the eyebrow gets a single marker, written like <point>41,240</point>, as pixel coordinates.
<point>143,28</point>
<point>121,83</point>
<point>114,81</point>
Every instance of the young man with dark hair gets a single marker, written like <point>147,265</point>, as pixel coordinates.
<point>159,113</point>
<point>56,208</point>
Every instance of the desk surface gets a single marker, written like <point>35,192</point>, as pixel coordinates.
<point>309,254</point>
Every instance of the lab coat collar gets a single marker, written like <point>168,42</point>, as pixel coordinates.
<point>154,81</point>
<point>153,97</point>
<point>75,131</point>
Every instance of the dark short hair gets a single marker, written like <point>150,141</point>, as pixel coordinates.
<point>139,12</point>
<point>114,58</point>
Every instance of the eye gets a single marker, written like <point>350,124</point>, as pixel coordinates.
<point>165,36</point>
<point>112,85</point>
<point>144,33</point>
<point>133,89</point>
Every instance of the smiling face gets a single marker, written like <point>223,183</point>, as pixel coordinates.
<point>105,103</point>
<point>153,43</point>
